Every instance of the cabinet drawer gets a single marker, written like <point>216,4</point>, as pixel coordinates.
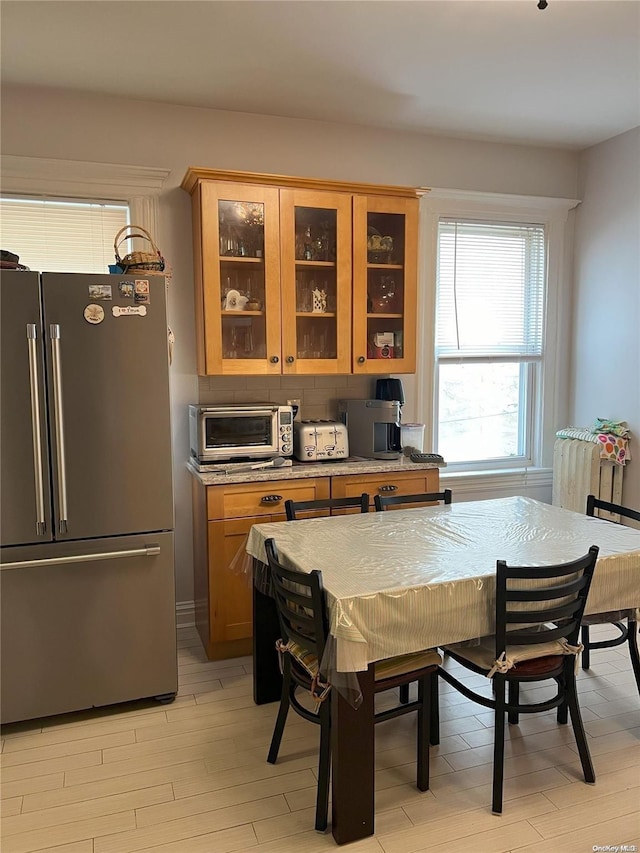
<point>393,483</point>
<point>244,500</point>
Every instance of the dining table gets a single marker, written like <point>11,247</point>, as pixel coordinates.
<point>404,580</point>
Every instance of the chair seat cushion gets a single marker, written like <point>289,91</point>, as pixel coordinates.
<point>483,655</point>
<point>307,660</point>
<point>403,664</point>
<point>388,668</point>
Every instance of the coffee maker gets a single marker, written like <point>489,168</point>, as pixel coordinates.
<point>390,388</point>
<point>373,427</point>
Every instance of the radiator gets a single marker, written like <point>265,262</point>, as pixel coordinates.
<point>579,471</point>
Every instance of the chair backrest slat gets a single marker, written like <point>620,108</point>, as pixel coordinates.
<point>530,638</point>
<point>548,593</point>
<point>381,502</point>
<point>594,503</point>
<point>564,611</point>
<point>300,603</point>
<point>360,502</point>
<point>568,612</point>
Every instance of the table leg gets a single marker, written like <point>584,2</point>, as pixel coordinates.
<point>353,748</point>
<point>267,680</point>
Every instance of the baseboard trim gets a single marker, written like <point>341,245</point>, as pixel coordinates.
<point>185,613</point>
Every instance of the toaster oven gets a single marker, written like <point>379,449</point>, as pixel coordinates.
<point>237,432</point>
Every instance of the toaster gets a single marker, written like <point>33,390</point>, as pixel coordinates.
<point>315,441</point>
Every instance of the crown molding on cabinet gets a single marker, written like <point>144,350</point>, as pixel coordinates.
<point>195,174</point>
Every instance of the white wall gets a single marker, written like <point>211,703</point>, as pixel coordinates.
<point>605,369</point>
<point>69,126</point>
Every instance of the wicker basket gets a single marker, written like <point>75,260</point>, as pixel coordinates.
<point>151,261</point>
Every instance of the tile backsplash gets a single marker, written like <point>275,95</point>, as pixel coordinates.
<point>318,395</point>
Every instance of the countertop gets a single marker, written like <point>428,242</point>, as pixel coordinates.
<point>214,475</point>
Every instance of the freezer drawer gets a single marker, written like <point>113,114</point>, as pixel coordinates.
<point>94,627</point>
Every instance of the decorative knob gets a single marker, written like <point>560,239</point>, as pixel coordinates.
<point>388,488</point>
<point>274,359</point>
<point>270,499</point>
<point>361,360</point>
<point>290,359</point>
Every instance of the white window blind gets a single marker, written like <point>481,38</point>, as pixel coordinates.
<point>56,235</point>
<point>490,290</point>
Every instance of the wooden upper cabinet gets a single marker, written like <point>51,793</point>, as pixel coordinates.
<point>237,260</point>
<point>315,238</point>
<point>302,276</point>
<point>385,272</point>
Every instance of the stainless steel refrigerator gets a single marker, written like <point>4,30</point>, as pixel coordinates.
<point>87,586</point>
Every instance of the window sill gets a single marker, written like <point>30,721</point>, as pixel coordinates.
<point>497,483</point>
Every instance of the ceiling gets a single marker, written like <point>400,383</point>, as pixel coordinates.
<point>483,69</point>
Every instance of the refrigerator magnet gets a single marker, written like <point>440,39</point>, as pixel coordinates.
<point>94,314</point>
<point>100,291</point>
<point>125,288</point>
<point>129,310</point>
<point>142,285</point>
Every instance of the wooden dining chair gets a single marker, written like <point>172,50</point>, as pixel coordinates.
<point>383,502</point>
<point>292,508</point>
<point>301,608</point>
<point>625,621</point>
<point>550,602</point>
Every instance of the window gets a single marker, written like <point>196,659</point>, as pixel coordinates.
<point>60,235</point>
<point>490,287</point>
<point>492,380</point>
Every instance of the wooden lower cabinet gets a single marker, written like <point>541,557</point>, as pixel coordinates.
<point>223,517</point>
<point>230,609</point>
<point>393,483</point>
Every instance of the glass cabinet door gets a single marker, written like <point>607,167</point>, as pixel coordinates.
<point>385,284</point>
<point>241,281</point>
<point>315,235</point>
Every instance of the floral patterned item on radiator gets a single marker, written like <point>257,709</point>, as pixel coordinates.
<point>612,448</point>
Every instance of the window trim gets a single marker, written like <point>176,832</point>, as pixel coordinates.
<point>551,407</point>
<point>139,186</point>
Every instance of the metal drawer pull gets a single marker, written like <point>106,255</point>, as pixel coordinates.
<point>387,488</point>
<point>270,499</point>
<point>149,551</point>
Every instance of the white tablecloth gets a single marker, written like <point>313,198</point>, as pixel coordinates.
<point>404,580</point>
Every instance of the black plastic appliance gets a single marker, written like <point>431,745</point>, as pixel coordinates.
<point>390,388</point>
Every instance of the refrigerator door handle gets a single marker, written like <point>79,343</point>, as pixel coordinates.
<point>54,332</point>
<point>32,334</point>
<point>149,551</point>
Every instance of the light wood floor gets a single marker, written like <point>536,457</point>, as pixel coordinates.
<point>191,777</point>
